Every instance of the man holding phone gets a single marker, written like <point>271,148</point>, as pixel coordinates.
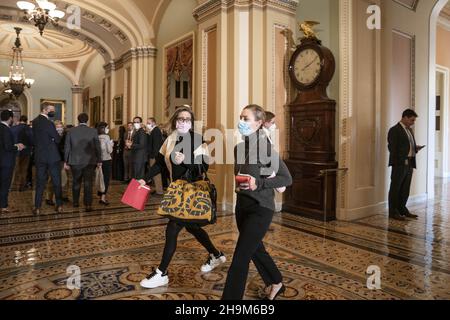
<point>402,158</point>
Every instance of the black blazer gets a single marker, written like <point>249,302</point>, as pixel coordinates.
<point>46,141</point>
<point>155,141</point>
<point>139,147</point>
<point>82,147</point>
<point>8,151</point>
<point>398,145</point>
<point>23,134</point>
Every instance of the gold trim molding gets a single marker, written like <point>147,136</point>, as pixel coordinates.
<point>214,7</point>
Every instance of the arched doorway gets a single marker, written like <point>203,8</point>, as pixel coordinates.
<point>18,106</point>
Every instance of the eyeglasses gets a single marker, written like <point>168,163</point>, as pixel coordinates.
<point>184,120</point>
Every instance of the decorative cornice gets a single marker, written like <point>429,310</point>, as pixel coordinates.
<point>133,53</point>
<point>77,90</point>
<point>214,7</point>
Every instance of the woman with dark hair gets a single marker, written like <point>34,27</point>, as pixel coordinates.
<point>261,171</point>
<point>181,153</point>
<point>106,145</point>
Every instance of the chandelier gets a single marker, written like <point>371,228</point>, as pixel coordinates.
<point>42,14</point>
<point>16,82</point>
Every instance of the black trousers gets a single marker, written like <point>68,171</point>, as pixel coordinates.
<point>107,170</point>
<point>253,222</point>
<point>43,170</point>
<point>139,170</point>
<point>84,174</point>
<point>172,230</point>
<point>30,170</point>
<point>6,175</point>
<point>401,177</point>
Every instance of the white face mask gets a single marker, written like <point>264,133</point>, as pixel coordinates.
<point>184,128</point>
<point>273,127</point>
<point>150,126</point>
<point>106,131</point>
<point>137,126</point>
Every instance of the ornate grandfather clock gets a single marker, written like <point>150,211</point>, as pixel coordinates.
<point>312,131</point>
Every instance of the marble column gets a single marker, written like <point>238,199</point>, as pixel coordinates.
<point>77,102</point>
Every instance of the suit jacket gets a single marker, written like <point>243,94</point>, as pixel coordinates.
<point>154,142</point>
<point>82,147</point>
<point>46,141</point>
<point>23,134</point>
<point>398,145</point>
<point>139,147</point>
<point>8,151</point>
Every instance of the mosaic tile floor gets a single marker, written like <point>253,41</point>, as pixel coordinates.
<point>115,247</point>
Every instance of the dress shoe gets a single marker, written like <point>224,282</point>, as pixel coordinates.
<point>65,200</point>
<point>50,203</point>
<point>9,210</point>
<point>105,203</point>
<point>59,209</point>
<point>89,209</point>
<point>280,292</point>
<point>36,211</point>
<point>397,217</point>
<point>410,215</point>
<point>76,205</point>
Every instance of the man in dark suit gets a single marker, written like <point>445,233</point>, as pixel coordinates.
<point>138,149</point>
<point>155,141</point>
<point>23,134</point>
<point>402,158</point>
<point>8,152</point>
<point>47,158</point>
<point>127,160</point>
<point>82,153</point>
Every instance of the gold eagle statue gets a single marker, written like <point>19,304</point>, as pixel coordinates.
<point>307,29</point>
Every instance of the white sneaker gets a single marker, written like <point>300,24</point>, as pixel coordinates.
<point>213,262</point>
<point>155,279</point>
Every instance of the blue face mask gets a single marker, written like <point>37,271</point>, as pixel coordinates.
<point>244,128</point>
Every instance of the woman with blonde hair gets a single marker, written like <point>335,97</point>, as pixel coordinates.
<point>182,151</point>
<point>261,171</point>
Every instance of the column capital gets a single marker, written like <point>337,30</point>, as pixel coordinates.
<point>214,7</point>
<point>133,53</point>
<point>77,89</point>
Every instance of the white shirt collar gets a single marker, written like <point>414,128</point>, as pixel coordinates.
<point>5,123</point>
<point>404,127</point>
<point>43,114</point>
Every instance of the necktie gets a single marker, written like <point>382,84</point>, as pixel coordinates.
<point>411,141</point>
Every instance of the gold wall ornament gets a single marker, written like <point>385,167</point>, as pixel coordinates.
<point>307,29</point>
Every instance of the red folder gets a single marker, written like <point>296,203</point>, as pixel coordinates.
<point>136,196</point>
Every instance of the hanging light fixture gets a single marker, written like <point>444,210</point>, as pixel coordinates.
<point>41,14</point>
<point>16,82</point>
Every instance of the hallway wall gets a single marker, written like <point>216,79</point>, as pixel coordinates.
<point>93,77</point>
<point>365,188</point>
<point>176,22</point>
<point>443,59</point>
<point>50,84</point>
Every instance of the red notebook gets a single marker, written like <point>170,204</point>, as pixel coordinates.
<point>136,196</point>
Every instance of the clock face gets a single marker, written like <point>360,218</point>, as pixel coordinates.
<point>307,66</point>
